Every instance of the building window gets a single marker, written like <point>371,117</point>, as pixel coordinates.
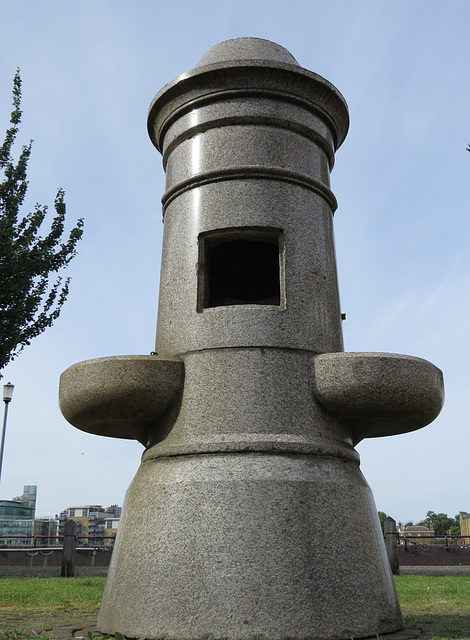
<point>241,266</point>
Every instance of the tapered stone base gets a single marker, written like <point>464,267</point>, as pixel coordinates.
<point>247,546</point>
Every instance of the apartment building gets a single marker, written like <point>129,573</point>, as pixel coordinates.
<point>96,526</point>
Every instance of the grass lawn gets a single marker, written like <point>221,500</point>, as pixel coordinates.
<point>438,605</point>
<point>30,605</point>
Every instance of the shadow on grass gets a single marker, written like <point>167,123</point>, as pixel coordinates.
<point>441,626</point>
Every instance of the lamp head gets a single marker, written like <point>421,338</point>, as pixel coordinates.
<point>8,392</point>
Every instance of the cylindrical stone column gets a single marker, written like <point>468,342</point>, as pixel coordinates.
<point>248,140</point>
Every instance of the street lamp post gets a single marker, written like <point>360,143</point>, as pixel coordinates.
<point>7,395</point>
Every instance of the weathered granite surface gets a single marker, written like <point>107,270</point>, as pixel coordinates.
<point>249,517</point>
<point>379,394</point>
<point>121,396</point>
<point>249,546</point>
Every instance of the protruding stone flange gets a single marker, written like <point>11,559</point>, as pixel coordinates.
<point>120,396</point>
<point>378,394</point>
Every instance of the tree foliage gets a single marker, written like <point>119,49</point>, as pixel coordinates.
<point>382,518</point>
<point>442,524</point>
<point>31,291</point>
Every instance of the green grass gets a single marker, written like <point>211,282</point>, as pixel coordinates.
<point>429,594</point>
<point>438,605</point>
<point>56,592</point>
<point>28,606</point>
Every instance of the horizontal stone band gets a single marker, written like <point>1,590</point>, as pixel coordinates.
<point>282,444</point>
<point>251,173</point>
<point>298,118</point>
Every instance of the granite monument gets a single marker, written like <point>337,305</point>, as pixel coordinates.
<point>249,516</point>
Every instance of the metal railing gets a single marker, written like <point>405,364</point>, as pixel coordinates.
<point>53,542</point>
<point>447,540</point>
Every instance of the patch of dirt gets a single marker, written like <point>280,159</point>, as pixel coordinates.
<point>61,625</point>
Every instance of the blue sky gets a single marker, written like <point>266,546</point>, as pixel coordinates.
<point>90,70</point>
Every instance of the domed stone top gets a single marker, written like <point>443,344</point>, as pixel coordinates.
<point>246,49</point>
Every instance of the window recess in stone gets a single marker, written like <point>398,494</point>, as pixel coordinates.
<point>241,266</point>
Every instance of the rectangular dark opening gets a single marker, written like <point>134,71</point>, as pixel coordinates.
<point>240,266</point>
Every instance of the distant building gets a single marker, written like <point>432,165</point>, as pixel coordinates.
<point>117,511</point>
<point>45,532</point>
<point>29,496</point>
<point>111,529</point>
<point>464,518</point>
<point>95,526</point>
<point>417,533</point>
<point>18,525</point>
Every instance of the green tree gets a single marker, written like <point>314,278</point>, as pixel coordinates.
<point>442,524</point>
<point>31,292</point>
<point>382,518</point>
